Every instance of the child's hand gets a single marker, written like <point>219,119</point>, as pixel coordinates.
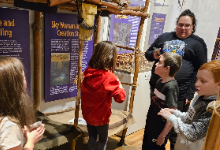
<point>165,113</point>
<point>160,139</point>
<point>120,86</point>
<point>34,136</point>
<point>171,110</point>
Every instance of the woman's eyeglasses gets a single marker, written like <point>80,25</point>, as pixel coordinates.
<point>181,25</point>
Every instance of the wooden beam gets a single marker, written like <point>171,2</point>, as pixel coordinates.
<point>127,12</point>
<point>37,1</point>
<point>37,25</point>
<point>102,3</point>
<point>68,7</point>
<point>57,2</point>
<point>134,8</point>
<point>130,84</point>
<point>125,47</point>
<point>7,1</point>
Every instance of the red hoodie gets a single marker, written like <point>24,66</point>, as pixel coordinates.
<point>98,88</point>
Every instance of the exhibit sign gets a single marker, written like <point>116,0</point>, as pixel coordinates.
<point>157,26</point>
<point>15,37</point>
<point>61,55</point>
<point>124,29</point>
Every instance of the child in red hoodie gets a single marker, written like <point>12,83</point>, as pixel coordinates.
<point>99,85</point>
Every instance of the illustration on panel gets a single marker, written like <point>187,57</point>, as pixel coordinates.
<point>59,72</point>
<point>121,34</point>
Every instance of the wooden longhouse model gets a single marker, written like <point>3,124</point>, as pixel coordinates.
<point>213,135</point>
<point>77,6</point>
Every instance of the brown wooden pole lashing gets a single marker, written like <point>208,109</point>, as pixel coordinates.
<point>37,25</point>
<point>136,70</point>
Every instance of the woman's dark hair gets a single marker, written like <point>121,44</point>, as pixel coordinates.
<point>188,12</point>
<point>15,102</point>
<point>104,56</point>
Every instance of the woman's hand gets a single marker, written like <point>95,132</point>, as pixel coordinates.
<point>187,101</point>
<point>32,137</point>
<point>157,53</point>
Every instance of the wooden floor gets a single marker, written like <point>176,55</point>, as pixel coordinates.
<point>135,139</point>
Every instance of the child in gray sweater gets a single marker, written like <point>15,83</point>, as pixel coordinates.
<point>191,126</point>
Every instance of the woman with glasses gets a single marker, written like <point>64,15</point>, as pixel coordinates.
<point>193,50</point>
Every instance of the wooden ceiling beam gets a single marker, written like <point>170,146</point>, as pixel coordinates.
<point>127,12</point>
<point>102,3</point>
<point>57,2</point>
<point>134,8</point>
<point>7,1</point>
<point>68,7</point>
<point>37,1</point>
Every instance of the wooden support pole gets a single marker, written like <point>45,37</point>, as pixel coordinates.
<point>137,58</point>
<point>212,141</point>
<point>98,29</point>
<point>78,97</point>
<point>136,70</point>
<point>73,146</point>
<point>125,47</point>
<point>37,25</point>
<point>57,2</point>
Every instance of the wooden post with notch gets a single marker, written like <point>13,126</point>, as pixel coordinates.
<point>212,141</point>
<point>78,97</point>
<point>37,57</point>
<point>136,70</point>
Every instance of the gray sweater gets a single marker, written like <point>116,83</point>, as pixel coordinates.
<point>193,124</point>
